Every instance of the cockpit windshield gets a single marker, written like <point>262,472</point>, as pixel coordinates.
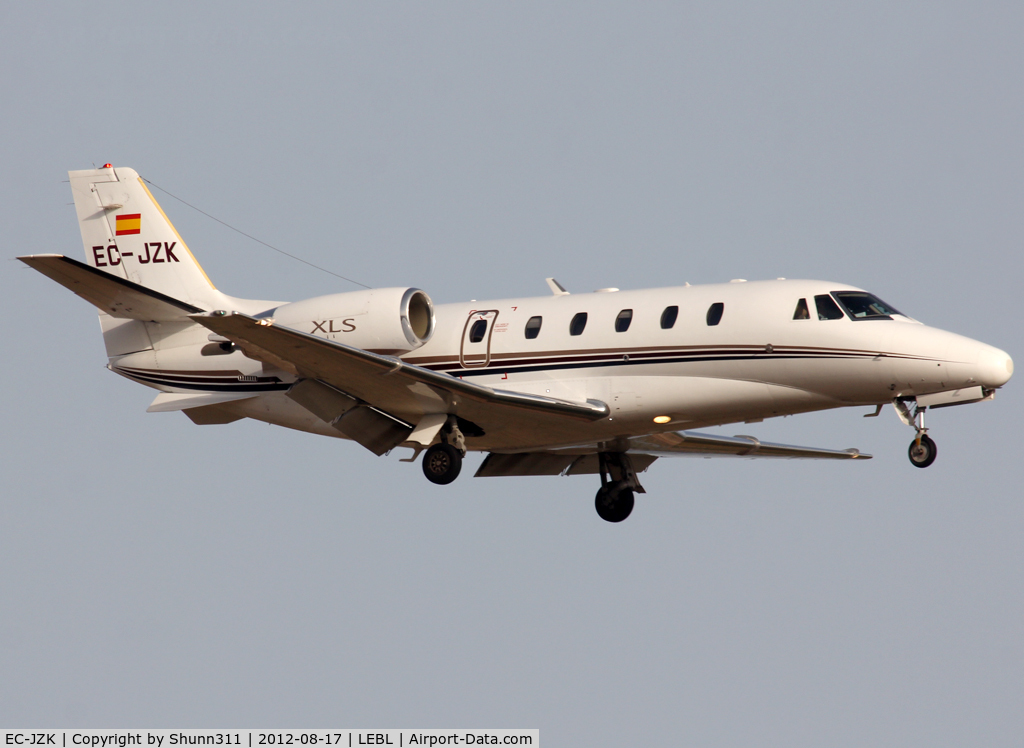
<point>861,305</point>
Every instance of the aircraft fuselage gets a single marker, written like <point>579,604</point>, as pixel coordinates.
<point>756,361</point>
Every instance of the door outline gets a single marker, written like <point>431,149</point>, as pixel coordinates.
<point>490,315</point>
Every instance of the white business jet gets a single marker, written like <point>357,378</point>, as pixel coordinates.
<point>570,384</point>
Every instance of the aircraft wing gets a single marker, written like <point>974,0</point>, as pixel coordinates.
<point>116,296</point>
<point>390,387</point>
<point>644,450</point>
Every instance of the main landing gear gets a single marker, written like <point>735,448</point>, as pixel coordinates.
<point>443,462</point>
<point>614,500</point>
<point>922,450</point>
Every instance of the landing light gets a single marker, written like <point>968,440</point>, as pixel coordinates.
<point>662,419</point>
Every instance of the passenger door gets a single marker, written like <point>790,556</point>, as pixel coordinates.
<point>475,350</point>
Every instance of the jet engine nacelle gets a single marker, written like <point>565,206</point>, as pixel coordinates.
<point>382,320</point>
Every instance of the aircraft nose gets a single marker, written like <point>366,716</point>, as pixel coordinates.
<point>994,367</point>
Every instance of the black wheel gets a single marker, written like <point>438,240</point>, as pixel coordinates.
<point>922,455</point>
<point>614,502</point>
<point>441,464</point>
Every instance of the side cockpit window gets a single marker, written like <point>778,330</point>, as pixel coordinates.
<point>801,310</point>
<point>862,305</point>
<point>827,308</point>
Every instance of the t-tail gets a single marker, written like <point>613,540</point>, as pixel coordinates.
<point>127,234</point>
<point>138,271</point>
<point>147,286</point>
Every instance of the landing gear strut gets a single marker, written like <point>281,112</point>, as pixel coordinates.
<point>443,462</point>
<point>614,500</point>
<point>922,450</point>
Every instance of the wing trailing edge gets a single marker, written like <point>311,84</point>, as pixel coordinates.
<point>682,443</point>
<point>644,450</point>
<point>497,464</point>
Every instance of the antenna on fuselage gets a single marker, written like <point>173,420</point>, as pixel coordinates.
<point>556,287</point>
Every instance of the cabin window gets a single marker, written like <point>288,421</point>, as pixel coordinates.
<point>801,310</point>
<point>668,317</point>
<point>578,323</point>
<point>827,308</point>
<point>623,319</point>
<point>715,313</point>
<point>533,327</point>
<point>861,305</point>
<point>477,331</point>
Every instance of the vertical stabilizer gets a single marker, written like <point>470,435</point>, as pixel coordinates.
<point>127,234</point>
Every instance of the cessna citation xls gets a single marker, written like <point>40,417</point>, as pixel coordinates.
<point>566,384</point>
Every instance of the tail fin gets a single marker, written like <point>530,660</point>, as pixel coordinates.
<point>127,234</point>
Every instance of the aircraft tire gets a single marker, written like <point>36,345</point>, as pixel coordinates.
<point>614,502</point>
<point>442,464</point>
<point>924,454</point>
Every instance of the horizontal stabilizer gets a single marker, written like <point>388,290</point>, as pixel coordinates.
<point>168,402</point>
<point>116,296</point>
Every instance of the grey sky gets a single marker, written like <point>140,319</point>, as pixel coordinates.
<point>156,573</point>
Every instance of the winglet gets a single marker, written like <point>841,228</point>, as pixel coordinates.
<point>556,287</point>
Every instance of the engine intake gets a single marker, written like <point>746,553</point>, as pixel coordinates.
<point>383,320</point>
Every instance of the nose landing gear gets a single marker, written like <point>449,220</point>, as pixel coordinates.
<point>922,450</point>
<point>614,500</point>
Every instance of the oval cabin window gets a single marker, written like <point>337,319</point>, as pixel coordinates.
<point>579,322</point>
<point>477,331</point>
<point>715,313</point>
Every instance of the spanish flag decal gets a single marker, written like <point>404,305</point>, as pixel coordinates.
<point>128,224</point>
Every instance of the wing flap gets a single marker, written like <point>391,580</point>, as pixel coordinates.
<point>681,443</point>
<point>116,296</point>
<point>377,431</point>
<point>498,464</point>
<point>644,450</point>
